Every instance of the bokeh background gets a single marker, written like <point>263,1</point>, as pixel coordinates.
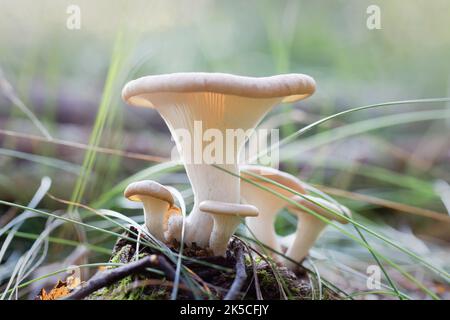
<point>397,158</point>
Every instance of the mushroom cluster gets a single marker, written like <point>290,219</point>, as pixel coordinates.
<point>214,101</point>
<point>257,180</point>
<point>220,102</point>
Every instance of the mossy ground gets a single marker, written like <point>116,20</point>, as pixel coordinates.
<point>273,282</point>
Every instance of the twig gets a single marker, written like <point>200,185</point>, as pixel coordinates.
<point>240,277</point>
<point>109,277</point>
<point>165,266</point>
<point>170,273</point>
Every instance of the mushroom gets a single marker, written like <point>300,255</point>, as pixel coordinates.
<point>267,203</point>
<point>158,204</point>
<point>192,102</point>
<point>174,227</point>
<point>309,227</point>
<point>227,217</point>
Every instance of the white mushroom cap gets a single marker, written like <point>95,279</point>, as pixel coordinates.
<point>229,209</point>
<point>280,177</point>
<point>136,190</point>
<point>157,200</point>
<point>227,217</point>
<point>220,101</point>
<point>268,204</point>
<point>319,210</point>
<point>309,227</point>
<point>288,87</point>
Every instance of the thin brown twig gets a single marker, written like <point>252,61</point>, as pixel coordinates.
<point>165,266</point>
<point>240,277</point>
<point>109,277</point>
<point>199,279</point>
<point>106,278</point>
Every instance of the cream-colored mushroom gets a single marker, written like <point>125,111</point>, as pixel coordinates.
<point>227,217</point>
<point>267,203</point>
<point>158,204</point>
<point>309,227</point>
<point>191,104</point>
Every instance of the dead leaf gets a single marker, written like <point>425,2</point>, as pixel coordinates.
<point>60,290</point>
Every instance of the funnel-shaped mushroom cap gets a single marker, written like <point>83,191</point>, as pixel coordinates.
<point>158,204</point>
<point>275,175</point>
<point>228,209</point>
<point>262,228</point>
<point>147,188</point>
<point>323,212</point>
<point>213,104</point>
<point>288,87</point>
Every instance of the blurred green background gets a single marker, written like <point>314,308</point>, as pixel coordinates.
<point>60,75</point>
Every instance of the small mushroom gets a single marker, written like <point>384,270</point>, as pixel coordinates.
<point>309,227</point>
<point>267,203</point>
<point>174,227</point>
<point>158,204</point>
<point>227,217</point>
<point>191,102</point>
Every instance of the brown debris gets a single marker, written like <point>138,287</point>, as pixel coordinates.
<point>59,291</point>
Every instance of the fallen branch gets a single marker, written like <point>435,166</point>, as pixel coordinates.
<point>106,278</point>
<point>165,266</point>
<point>240,277</point>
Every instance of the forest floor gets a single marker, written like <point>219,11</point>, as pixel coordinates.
<point>242,274</point>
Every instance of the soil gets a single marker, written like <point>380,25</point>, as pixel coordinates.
<point>264,279</point>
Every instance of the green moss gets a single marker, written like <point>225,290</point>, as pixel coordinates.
<point>266,279</point>
<point>123,255</point>
<point>146,286</point>
<point>158,294</point>
<point>124,290</point>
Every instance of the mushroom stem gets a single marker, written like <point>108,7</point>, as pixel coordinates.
<point>154,211</point>
<point>191,116</point>
<point>174,228</point>
<point>309,227</point>
<point>223,229</point>
<point>308,230</point>
<point>209,183</point>
<point>261,227</point>
<point>226,217</point>
<point>158,204</point>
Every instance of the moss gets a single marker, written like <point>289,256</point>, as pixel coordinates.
<point>294,287</point>
<point>124,290</point>
<point>122,255</point>
<point>159,294</point>
<point>147,286</point>
<point>265,278</point>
